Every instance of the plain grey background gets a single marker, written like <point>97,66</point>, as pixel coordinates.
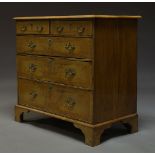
<point>49,135</point>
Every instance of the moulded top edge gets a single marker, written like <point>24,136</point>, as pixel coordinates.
<point>77,17</point>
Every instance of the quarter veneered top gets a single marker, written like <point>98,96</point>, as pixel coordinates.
<point>77,17</point>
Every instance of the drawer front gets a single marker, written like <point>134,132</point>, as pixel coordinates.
<point>32,94</point>
<point>32,67</point>
<point>71,47</point>
<point>55,46</point>
<point>72,103</point>
<point>33,45</point>
<point>71,28</point>
<point>69,72</point>
<point>57,70</point>
<point>32,27</point>
<point>68,102</point>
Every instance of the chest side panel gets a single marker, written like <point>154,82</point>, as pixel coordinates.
<point>104,73</point>
<point>114,69</point>
<point>127,68</point>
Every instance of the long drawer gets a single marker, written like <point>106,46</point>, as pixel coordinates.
<point>58,70</point>
<point>55,46</point>
<point>68,102</point>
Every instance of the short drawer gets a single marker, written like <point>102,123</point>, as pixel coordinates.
<point>58,70</point>
<point>32,27</point>
<point>55,46</point>
<point>68,102</point>
<point>71,28</point>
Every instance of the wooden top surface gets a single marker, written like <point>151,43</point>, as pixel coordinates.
<point>77,17</point>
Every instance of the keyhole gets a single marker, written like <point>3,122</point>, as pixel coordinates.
<point>31,25</point>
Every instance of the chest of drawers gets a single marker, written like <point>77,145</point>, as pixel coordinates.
<point>80,69</point>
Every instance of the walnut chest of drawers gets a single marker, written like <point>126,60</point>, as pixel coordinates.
<point>80,69</point>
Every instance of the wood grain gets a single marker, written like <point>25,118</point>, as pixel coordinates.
<point>127,68</point>
<point>32,67</point>
<point>55,46</point>
<point>115,60</point>
<point>72,103</point>
<point>68,102</point>
<point>105,85</point>
<point>32,27</point>
<point>58,70</point>
<point>72,28</point>
<point>32,94</point>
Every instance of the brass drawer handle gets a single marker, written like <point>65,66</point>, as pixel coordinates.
<point>31,45</point>
<point>81,30</point>
<point>49,42</point>
<point>70,102</point>
<point>23,28</point>
<point>60,29</point>
<point>70,72</point>
<point>69,47</point>
<point>32,67</point>
<point>39,28</point>
<point>33,95</point>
